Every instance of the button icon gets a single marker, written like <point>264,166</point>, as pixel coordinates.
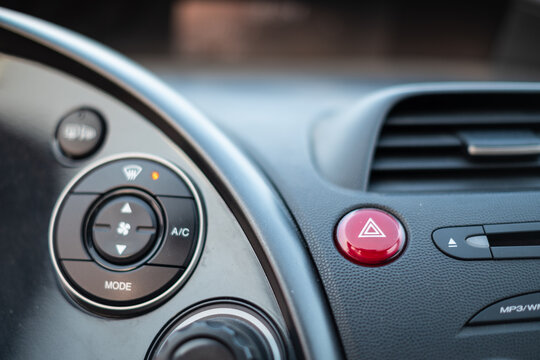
<point>79,132</point>
<point>371,230</point>
<point>118,285</point>
<point>123,228</point>
<point>126,209</point>
<point>183,232</point>
<point>452,243</point>
<point>120,248</point>
<point>131,172</point>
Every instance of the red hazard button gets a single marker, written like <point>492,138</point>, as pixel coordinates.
<point>370,237</point>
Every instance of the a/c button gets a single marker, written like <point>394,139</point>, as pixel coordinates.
<point>180,234</point>
<point>118,288</point>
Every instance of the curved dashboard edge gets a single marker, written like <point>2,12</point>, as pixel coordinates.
<point>251,197</point>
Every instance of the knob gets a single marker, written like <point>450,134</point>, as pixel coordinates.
<point>223,337</point>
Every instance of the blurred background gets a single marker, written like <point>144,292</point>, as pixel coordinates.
<point>457,38</point>
<point>257,61</point>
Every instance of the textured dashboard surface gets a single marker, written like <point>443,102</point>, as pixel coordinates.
<point>415,307</point>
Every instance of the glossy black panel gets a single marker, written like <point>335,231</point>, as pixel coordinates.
<point>28,189</point>
<point>34,305</point>
<point>248,194</point>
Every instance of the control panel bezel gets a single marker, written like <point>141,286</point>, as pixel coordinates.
<point>105,309</point>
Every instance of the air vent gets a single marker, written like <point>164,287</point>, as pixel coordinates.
<point>465,142</point>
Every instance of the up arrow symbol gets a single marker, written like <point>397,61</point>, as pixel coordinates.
<point>126,209</point>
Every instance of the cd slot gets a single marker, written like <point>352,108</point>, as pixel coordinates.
<point>514,241</point>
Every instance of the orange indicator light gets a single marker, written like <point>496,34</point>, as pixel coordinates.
<point>155,175</point>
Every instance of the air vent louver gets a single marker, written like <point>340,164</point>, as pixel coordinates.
<point>465,142</point>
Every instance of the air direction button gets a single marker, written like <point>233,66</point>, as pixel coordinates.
<point>124,229</point>
<point>370,237</point>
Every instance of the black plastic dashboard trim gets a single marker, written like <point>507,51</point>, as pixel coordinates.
<point>247,192</point>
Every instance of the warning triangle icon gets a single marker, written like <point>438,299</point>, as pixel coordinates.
<point>371,230</point>
<point>126,209</point>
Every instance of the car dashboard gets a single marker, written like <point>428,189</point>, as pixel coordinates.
<point>301,214</point>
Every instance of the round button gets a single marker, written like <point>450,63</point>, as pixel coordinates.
<point>80,133</point>
<point>370,237</point>
<point>124,229</point>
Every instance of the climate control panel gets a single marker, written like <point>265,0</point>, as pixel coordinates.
<point>126,233</point>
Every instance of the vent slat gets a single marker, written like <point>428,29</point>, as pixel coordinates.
<point>467,119</point>
<point>488,182</point>
<point>419,140</point>
<point>433,163</point>
<point>422,147</point>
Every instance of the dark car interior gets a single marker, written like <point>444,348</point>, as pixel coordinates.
<point>269,180</point>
